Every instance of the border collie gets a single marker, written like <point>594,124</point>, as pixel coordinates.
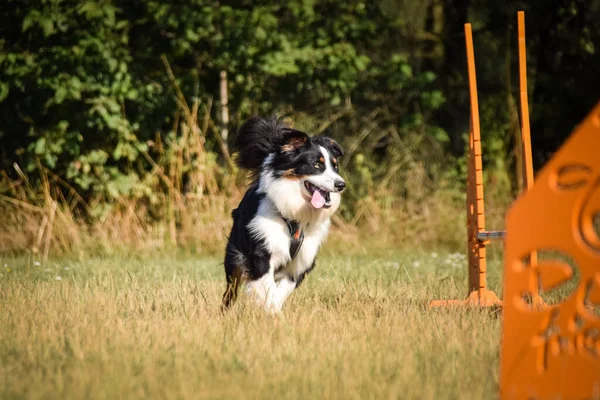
<point>284,217</point>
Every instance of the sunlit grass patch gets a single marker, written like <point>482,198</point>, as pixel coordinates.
<point>127,327</point>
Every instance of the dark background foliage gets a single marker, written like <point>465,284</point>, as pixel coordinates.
<point>88,87</point>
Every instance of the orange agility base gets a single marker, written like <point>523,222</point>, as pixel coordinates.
<point>477,237</point>
<point>553,352</point>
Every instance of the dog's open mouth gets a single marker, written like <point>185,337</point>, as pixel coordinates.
<point>319,198</point>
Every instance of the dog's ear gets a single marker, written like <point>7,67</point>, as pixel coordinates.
<point>335,148</point>
<point>294,140</point>
<point>331,145</point>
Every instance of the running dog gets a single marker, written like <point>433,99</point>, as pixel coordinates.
<point>285,215</point>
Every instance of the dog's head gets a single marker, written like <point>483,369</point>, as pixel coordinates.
<point>303,172</point>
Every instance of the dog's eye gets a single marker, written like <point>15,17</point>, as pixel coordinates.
<point>317,166</point>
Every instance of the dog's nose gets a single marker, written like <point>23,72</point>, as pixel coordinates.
<point>340,185</point>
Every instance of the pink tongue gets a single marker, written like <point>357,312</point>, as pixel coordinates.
<point>317,199</point>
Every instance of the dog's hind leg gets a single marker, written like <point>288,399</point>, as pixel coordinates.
<point>234,278</point>
<point>235,269</point>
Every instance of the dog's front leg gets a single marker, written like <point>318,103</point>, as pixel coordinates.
<point>285,287</point>
<point>264,291</point>
<point>270,294</point>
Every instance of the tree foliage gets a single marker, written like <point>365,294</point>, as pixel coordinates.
<point>87,86</point>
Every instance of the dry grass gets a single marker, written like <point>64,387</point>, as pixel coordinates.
<point>124,327</point>
<point>43,221</point>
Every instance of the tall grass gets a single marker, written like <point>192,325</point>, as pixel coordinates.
<point>41,219</point>
<point>52,218</point>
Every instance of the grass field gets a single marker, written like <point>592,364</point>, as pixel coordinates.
<point>125,327</point>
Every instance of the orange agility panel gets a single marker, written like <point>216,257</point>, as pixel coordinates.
<point>553,352</point>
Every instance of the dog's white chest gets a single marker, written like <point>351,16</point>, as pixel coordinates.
<point>306,254</point>
<point>269,226</point>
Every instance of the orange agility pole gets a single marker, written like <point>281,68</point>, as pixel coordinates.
<point>525,132</point>
<point>554,352</point>
<point>478,292</point>
<point>477,236</point>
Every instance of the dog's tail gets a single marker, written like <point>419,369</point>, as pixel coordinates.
<point>256,139</point>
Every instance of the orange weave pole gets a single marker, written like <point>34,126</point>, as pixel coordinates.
<point>478,295</point>
<point>525,131</point>
<point>553,352</point>
<point>475,203</point>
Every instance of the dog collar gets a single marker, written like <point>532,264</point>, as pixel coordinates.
<point>296,236</point>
